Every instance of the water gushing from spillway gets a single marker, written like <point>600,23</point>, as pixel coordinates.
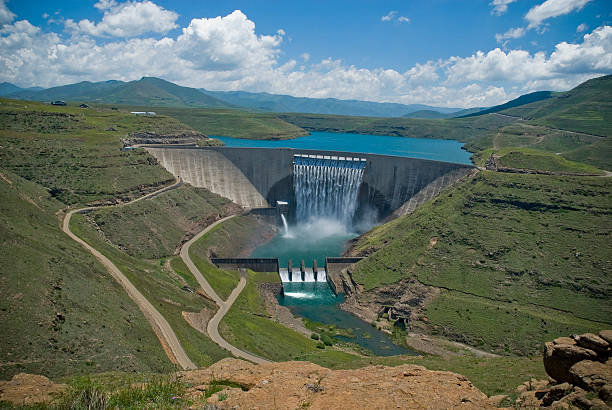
<point>326,191</point>
<point>286,233</point>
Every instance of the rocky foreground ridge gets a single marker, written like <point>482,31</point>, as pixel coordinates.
<point>291,385</point>
<point>580,370</point>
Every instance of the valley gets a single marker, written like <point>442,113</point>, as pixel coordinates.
<point>497,259</point>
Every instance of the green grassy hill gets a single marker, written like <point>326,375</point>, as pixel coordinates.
<point>521,258</point>
<point>149,91</point>
<point>586,108</point>
<point>517,102</point>
<point>154,229</point>
<point>232,123</point>
<point>75,152</point>
<point>61,312</point>
<point>73,316</point>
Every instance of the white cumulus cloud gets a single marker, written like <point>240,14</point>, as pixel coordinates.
<point>6,16</point>
<point>581,28</point>
<point>227,53</point>
<point>512,33</point>
<point>129,19</point>
<point>500,6</point>
<point>552,8</point>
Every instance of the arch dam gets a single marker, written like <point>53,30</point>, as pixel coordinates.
<point>259,177</point>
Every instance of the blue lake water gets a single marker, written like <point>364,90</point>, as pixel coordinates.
<point>425,148</point>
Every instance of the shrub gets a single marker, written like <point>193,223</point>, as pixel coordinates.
<point>314,336</point>
<point>327,340</point>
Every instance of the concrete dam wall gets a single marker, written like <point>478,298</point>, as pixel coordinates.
<point>258,177</point>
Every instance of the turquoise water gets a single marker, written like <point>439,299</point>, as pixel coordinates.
<point>425,148</point>
<point>306,242</point>
<point>316,301</point>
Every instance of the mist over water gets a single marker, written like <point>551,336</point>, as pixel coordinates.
<point>314,239</point>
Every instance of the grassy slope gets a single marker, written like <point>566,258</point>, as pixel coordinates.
<point>505,244</point>
<point>231,123</point>
<point>525,158</point>
<point>155,228</point>
<point>161,289</point>
<point>586,108</point>
<point>44,273</point>
<point>225,240</point>
<point>69,151</point>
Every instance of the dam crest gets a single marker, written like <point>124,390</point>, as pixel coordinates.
<point>259,177</point>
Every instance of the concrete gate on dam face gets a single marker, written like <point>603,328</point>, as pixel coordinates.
<point>258,177</point>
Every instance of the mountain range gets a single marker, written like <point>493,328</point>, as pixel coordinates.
<point>156,92</point>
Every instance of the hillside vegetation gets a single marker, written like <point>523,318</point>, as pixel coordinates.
<point>521,258</point>
<point>232,123</point>
<point>61,312</point>
<point>72,314</point>
<point>586,108</point>
<point>75,152</point>
<point>155,228</point>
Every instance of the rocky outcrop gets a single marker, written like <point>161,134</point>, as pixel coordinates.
<point>292,385</point>
<point>186,138</point>
<point>580,368</point>
<point>403,300</point>
<point>26,389</point>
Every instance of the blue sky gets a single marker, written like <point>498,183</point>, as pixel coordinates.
<point>440,52</point>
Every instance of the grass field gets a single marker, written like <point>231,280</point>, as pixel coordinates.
<point>233,238</point>
<point>525,258</point>
<point>530,159</point>
<point>161,289</point>
<point>61,312</point>
<point>586,108</point>
<point>69,151</point>
<point>177,215</point>
<point>231,123</point>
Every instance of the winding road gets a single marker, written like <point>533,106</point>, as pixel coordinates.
<point>160,325</point>
<point>224,306</point>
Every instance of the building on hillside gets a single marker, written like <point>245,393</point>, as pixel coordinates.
<point>150,113</point>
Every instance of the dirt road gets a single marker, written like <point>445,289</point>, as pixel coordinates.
<point>160,325</point>
<point>224,306</point>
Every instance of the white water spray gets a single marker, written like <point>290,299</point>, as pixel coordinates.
<point>286,234</point>
<point>328,192</point>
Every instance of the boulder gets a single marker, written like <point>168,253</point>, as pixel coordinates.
<point>606,335</point>
<point>605,393</point>
<point>593,342</point>
<point>591,375</point>
<point>559,358</point>
<point>554,393</point>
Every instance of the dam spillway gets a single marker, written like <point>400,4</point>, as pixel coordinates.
<point>326,187</point>
<point>259,177</point>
